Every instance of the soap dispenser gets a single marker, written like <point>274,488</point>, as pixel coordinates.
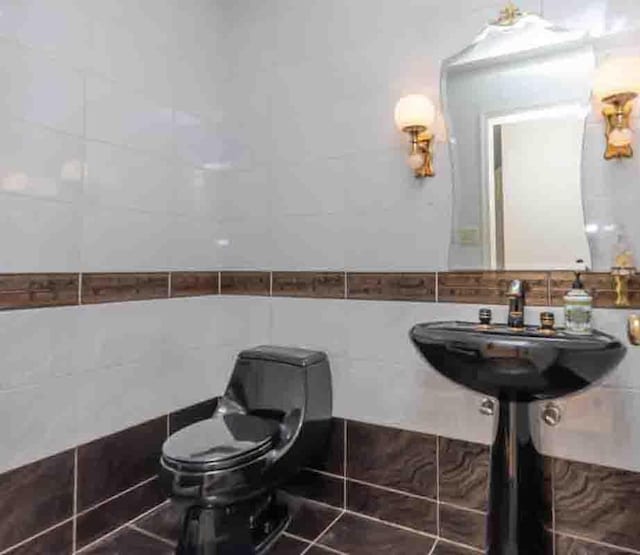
<point>578,307</point>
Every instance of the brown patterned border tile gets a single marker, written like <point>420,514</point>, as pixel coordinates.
<point>113,288</point>
<point>599,284</point>
<point>392,286</point>
<point>245,283</point>
<point>194,284</point>
<point>491,287</point>
<point>320,285</point>
<point>38,290</point>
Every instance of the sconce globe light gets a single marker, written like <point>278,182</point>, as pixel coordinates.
<point>617,85</point>
<point>415,114</point>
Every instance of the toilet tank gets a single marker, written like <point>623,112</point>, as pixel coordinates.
<point>274,382</point>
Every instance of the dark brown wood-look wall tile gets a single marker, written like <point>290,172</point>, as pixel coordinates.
<point>113,288</point>
<point>462,526</point>
<point>572,546</point>
<point>413,512</point>
<point>598,503</point>
<point>360,536</point>
<point>190,415</point>
<point>331,459</point>
<point>101,520</point>
<point>110,465</point>
<point>130,542</point>
<point>38,290</point>
<point>194,284</point>
<point>397,459</point>
<point>310,519</point>
<point>491,287</point>
<point>599,284</point>
<point>321,285</point>
<point>289,546</point>
<point>391,286</point>
<point>317,487</point>
<point>58,541</point>
<point>245,283</point>
<point>464,473</point>
<point>35,497</point>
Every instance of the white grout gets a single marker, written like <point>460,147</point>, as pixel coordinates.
<point>437,481</point>
<point>596,542</point>
<point>151,534</point>
<point>169,284</point>
<point>319,536</point>
<point>35,536</point>
<point>124,492</point>
<point>75,500</point>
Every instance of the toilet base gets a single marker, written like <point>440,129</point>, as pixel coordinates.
<point>248,528</point>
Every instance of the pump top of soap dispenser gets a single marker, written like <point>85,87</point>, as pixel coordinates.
<point>577,282</point>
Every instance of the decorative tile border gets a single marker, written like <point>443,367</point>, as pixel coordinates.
<point>21,291</point>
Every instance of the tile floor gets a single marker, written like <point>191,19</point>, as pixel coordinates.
<point>314,530</point>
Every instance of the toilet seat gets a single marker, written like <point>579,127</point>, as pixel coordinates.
<point>220,442</point>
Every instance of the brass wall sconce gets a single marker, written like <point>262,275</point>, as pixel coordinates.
<point>415,114</point>
<point>623,270</point>
<point>633,329</point>
<point>617,86</point>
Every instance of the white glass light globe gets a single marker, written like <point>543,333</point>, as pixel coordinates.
<point>617,75</point>
<point>415,161</point>
<point>414,110</point>
<point>621,137</point>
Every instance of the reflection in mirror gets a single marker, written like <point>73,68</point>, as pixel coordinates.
<point>516,102</point>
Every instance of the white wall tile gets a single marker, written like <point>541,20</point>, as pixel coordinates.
<point>245,244</point>
<point>40,89</point>
<point>38,162</point>
<point>118,115</point>
<point>38,235</point>
<point>40,421</point>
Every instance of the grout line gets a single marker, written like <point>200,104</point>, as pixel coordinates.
<point>169,275</point>
<point>314,542</point>
<point>438,485</point>
<point>345,453</point>
<point>271,284</point>
<point>346,285</point>
<point>119,528</point>
<point>596,542</point>
<point>433,547</point>
<point>296,537</point>
<point>74,537</point>
<point>219,283</point>
<point>437,299</point>
<point>36,536</point>
<point>124,492</point>
<point>393,525</point>
<point>151,535</point>
<point>80,288</point>
<point>458,544</point>
<point>461,508</point>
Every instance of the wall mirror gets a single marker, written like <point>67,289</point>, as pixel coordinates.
<point>516,102</point>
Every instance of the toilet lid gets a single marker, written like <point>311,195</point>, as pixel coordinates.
<point>221,441</point>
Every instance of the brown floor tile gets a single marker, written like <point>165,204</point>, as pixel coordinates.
<point>35,497</point>
<point>97,522</point>
<point>310,519</point>
<point>412,512</point>
<point>570,546</point>
<point>444,548</point>
<point>466,527</point>
<point>332,458</point>
<point>392,286</point>
<point>597,502</point>
<point>317,487</point>
<point>190,415</point>
<point>319,550</point>
<point>165,522</point>
<point>288,546</point>
<point>194,284</point>
<point>37,290</point>
<point>464,473</point>
<point>360,536</point>
<point>58,541</point>
<point>394,458</point>
<point>113,288</point>
<point>130,542</point>
<point>325,285</point>
<point>119,461</point>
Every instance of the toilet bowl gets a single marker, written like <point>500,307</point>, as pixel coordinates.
<point>223,472</point>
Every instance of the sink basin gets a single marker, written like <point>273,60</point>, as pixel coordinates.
<point>526,365</point>
<point>517,367</point>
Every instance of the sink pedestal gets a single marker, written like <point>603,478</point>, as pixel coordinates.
<point>517,509</point>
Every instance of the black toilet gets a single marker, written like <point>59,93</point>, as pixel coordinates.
<point>272,420</point>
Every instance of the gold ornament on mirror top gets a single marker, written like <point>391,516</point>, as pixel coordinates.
<point>509,15</point>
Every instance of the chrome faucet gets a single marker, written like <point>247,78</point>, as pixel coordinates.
<point>516,295</point>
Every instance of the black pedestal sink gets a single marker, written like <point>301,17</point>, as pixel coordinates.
<point>516,367</point>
